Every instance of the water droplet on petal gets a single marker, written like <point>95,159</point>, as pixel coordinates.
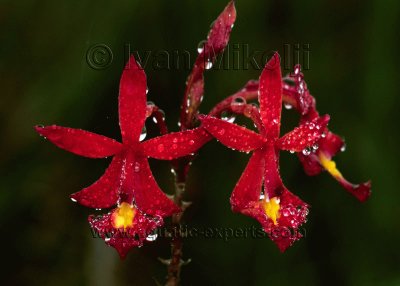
<point>227,116</point>
<point>323,135</point>
<point>221,132</point>
<point>238,101</point>
<point>191,142</point>
<point>208,65</point>
<point>315,147</point>
<point>143,134</point>
<point>72,199</point>
<point>137,167</point>
<point>292,151</point>
<point>288,106</point>
<point>200,46</point>
<point>306,151</point>
<point>343,148</point>
<point>152,237</point>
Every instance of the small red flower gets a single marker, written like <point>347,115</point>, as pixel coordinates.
<point>279,211</point>
<point>128,181</point>
<point>298,96</point>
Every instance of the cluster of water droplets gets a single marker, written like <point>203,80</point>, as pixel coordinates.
<point>295,215</point>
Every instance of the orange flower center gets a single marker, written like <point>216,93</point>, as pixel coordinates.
<point>123,216</point>
<point>271,208</point>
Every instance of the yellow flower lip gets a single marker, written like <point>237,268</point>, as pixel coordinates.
<point>271,208</point>
<point>329,165</point>
<point>123,216</point>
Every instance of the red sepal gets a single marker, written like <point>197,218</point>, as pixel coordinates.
<point>132,101</point>
<point>80,142</point>
<point>104,192</point>
<point>270,97</point>
<point>231,135</point>
<point>306,135</point>
<point>175,145</point>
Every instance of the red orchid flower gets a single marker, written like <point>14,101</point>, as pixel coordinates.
<point>279,211</point>
<point>128,181</point>
<point>298,96</point>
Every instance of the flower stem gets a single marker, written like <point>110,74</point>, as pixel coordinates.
<point>180,167</point>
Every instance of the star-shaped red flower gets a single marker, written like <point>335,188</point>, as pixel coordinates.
<point>260,192</point>
<point>299,97</point>
<point>128,181</point>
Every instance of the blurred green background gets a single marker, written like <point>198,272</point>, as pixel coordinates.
<point>45,79</point>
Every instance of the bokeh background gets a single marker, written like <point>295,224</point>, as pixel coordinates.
<point>45,79</point>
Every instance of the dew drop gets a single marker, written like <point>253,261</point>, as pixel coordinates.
<point>323,135</point>
<point>285,212</point>
<point>72,199</point>
<point>288,106</point>
<point>155,120</point>
<point>208,65</point>
<point>292,151</point>
<point>143,134</point>
<point>343,148</point>
<point>262,197</point>
<point>152,237</point>
<point>107,239</point>
<point>137,167</point>
<point>191,142</point>
<point>221,132</point>
<point>200,46</point>
<point>238,101</point>
<point>306,151</point>
<point>228,117</point>
<point>315,147</point>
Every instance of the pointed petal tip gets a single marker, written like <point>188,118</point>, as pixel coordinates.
<point>274,62</point>
<point>362,191</point>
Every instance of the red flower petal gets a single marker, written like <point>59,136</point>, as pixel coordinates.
<point>270,96</point>
<point>330,144</point>
<point>217,40</point>
<point>123,240</point>
<point>147,194</point>
<point>232,135</point>
<point>293,213</point>
<point>132,101</point>
<point>248,188</point>
<point>361,191</point>
<point>104,192</point>
<point>219,34</point>
<point>175,145</point>
<point>80,142</point>
<point>306,135</point>
<point>272,180</point>
<point>310,163</point>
